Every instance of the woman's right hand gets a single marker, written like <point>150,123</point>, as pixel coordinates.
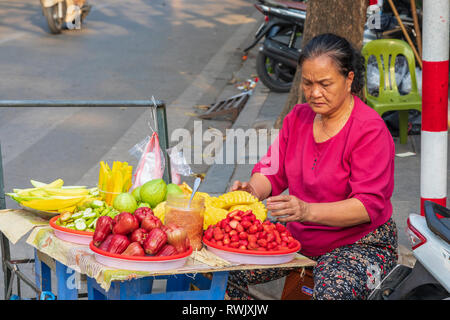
<point>243,186</point>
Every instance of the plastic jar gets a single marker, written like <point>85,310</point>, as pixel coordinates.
<point>191,219</point>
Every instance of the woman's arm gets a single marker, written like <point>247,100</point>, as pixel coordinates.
<point>343,213</point>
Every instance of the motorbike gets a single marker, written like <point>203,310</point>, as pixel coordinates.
<point>429,278</point>
<point>282,29</point>
<point>64,14</point>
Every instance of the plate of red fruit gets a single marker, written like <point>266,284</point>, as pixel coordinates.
<point>242,238</point>
<point>140,242</point>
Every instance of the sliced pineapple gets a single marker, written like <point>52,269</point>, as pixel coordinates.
<point>213,215</point>
<point>237,197</point>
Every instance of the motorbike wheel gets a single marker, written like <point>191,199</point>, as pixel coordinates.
<point>55,24</point>
<point>276,76</point>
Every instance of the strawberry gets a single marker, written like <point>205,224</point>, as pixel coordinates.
<point>243,235</point>
<point>223,223</point>
<point>262,242</point>
<point>277,236</point>
<point>271,245</point>
<point>252,246</point>
<point>243,247</point>
<point>280,227</point>
<point>232,213</point>
<point>234,244</point>
<point>234,238</point>
<point>252,229</point>
<point>209,233</point>
<point>246,224</point>
<point>239,227</point>
<point>232,233</point>
<point>218,234</point>
<point>233,224</point>
<point>270,237</point>
<point>252,238</point>
<point>292,244</point>
<point>243,242</point>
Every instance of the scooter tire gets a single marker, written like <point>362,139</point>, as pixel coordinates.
<point>55,25</point>
<point>271,83</point>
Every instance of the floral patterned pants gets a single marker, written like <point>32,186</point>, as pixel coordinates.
<point>345,273</point>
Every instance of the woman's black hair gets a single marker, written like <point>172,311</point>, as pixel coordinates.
<point>340,50</point>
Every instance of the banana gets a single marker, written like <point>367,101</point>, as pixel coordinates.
<point>66,191</point>
<point>58,183</point>
<point>52,203</point>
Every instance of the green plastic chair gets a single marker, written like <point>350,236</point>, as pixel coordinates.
<point>389,98</point>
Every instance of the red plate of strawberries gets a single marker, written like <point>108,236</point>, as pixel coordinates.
<point>242,238</point>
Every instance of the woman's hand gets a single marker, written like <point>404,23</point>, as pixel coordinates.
<point>287,208</point>
<point>244,186</point>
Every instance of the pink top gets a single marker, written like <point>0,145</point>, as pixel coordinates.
<point>358,163</point>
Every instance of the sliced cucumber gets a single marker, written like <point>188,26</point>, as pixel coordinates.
<point>97,204</point>
<point>89,213</point>
<point>105,211</point>
<point>80,224</point>
<point>77,215</point>
<point>93,224</point>
<point>70,225</point>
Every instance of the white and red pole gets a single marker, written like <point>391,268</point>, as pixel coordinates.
<point>434,134</point>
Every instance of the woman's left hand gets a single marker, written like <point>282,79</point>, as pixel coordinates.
<point>287,208</point>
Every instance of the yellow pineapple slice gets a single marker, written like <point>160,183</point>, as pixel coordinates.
<point>237,197</point>
<point>259,210</point>
<point>242,207</point>
<point>213,215</point>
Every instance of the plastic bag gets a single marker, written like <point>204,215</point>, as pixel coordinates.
<point>178,165</point>
<point>151,164</point>
<point>402,76</point>
<point>373,76</point>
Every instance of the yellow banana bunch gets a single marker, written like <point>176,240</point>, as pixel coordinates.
<point>52,196</point>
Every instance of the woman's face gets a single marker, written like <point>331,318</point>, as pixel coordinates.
<point>323,86</point>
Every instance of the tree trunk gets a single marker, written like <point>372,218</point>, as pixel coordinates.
<point>341,17</point>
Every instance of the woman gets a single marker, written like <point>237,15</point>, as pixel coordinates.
<point>336,157</point>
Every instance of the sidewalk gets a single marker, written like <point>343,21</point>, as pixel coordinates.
<point>261,111</point>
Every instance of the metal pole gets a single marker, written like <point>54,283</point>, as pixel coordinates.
<point>160,113</point>
<point>434,135</point>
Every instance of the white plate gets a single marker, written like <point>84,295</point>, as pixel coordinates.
<point>140,263</point>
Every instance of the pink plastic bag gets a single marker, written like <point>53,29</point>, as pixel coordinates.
<point>151,164</point>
